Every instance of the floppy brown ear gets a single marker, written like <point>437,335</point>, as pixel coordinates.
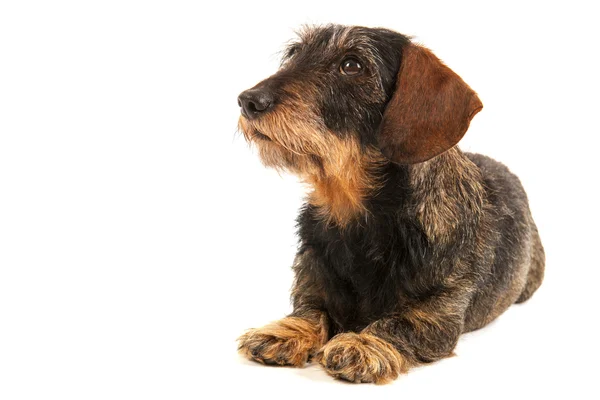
<point>430,110</point>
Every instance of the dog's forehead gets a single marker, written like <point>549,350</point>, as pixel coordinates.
<point>334,38</point>
<point>324,44</point>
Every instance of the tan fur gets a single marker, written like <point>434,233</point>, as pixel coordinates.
<point>420,319</point>
<point>289,341</point>
<point>361,358</point>
<point>348,178</point>
<point>340,174</point>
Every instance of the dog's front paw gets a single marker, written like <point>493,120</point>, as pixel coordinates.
<point>361,358</point>
<point>289,341</point>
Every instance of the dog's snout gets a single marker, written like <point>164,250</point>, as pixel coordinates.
<point>254,102</point>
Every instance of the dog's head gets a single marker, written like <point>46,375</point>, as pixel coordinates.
<point>342,92</point>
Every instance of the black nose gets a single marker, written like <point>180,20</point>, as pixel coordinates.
<point>255,102</point>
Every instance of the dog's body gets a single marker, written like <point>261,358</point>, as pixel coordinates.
<point>405,241</point>
<point>387,263</point>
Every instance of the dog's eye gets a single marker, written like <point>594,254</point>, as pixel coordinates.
<point>350,66</point>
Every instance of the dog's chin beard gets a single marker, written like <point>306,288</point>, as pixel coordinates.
<point>251,134</point>
<point>274,154</point>
<point>260,136</point>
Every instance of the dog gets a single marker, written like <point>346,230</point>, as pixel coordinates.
<point>405,242</point>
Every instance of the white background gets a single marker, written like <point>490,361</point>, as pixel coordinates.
<point>139,236</point>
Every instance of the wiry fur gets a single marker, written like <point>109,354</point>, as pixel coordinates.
<point>361,358</point>
<point>399,253</point>
<point>289,341</point>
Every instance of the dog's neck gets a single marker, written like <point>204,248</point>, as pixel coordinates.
<point>340,190</point>
<point>441,186</point>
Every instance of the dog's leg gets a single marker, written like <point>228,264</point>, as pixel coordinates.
<point>295,339</point>
<point>535,275</point>
<point>426,332</point>
<point>289,341</point>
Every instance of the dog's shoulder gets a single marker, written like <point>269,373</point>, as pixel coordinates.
<point>488,165</point>
<point>500,183</point>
